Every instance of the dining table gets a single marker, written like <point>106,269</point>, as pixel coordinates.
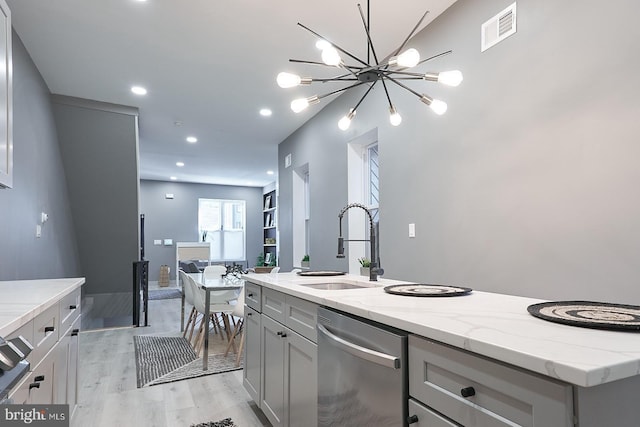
<point>209,284</point>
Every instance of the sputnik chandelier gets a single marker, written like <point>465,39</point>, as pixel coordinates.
<point>392,69</point>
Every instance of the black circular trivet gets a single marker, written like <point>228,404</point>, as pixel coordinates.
<point>589,314</point>
<point>426,290</point>
<point>321,273</point>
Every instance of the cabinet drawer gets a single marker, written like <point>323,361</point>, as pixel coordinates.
<point>424,417</point>
<point>45,334</point>
<point>253,296</point>
<point>69,310</point>
<point>273,304</point>
<point>301,316</point>
<point>498,395</point>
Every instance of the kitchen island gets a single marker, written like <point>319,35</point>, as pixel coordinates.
<point>599,368</point>
<point>46,313</point>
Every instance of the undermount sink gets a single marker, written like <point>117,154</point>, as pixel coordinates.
<point>334,286</point>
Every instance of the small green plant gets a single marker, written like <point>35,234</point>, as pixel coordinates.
<point>272,263</point>
<point>260,260</point>
<point>305,258</point>
<point>364,262</point>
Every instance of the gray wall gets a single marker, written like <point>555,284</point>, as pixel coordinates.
<point>39,186</point>
<point>528,185</point>
<point>99,147</point>
<point>177,218</point>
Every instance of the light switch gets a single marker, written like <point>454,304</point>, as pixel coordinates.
<point>38,231</point>
<point>168,242</point>
<point>157,242</point>
<point>412,230</point>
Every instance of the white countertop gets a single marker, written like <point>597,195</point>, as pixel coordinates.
<point>22,300</point>
<point>493,325</point>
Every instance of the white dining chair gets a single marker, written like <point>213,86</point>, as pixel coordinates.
<point>188,298</point>
<point>274,270</point>
<point>214,271</point>
<point>219,304</point>
<point>238,311</point>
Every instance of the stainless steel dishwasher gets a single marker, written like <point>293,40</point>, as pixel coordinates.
<point>362,372</point>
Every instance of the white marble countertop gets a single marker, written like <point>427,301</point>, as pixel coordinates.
<point>22,300</point>
<point>493,325</point>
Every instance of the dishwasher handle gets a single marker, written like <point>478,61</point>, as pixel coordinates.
<point>361,352</point>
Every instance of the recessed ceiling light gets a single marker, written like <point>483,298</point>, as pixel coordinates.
<point>180,164</point>
<point>192,139</point>
<point>138,90</point>
<point>270,172</point>
<point>265,112</point>
<point>173,178</point>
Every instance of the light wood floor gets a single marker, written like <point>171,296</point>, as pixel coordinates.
<point>107,386</point>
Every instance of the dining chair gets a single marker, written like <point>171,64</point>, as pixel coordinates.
<point>219,304</point>
<point>238,311</point>
<point>214,271</point>
<point>188,297</point>
<point>274,270</point>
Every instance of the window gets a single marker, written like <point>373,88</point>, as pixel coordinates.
<point>222,223</point>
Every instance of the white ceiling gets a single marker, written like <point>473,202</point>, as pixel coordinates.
<point>210,65</point>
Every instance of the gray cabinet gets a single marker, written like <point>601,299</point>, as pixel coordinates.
<point>281,371</point>
<point>470,390</point>
<point>273,370</point>
<point>252,372</point>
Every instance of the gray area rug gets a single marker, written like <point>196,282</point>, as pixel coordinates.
<point>227,422</point>
<point>161,360</point>
<point>156,294</point>
<point>157,356</point>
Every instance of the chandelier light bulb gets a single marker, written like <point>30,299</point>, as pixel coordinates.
<point>330,56</point>
<point>438,107</point>
<point>394,117</point>
<point>450,78</point>
<point>345,122</point>
<point>301,104</point>
<point>409,58</point>
<point>322,44</point>
<point>287,80</point>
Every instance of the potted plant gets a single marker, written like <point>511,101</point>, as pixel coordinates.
<point>261,267</point>
<point>305,261</point>
<point>365,264</point>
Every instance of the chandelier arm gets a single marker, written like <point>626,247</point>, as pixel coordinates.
<point>435,56</point>
<point>405,86</point>
<point>335,80</point>
<point>302,61</point>
<point>386,91</point>
<point>334,45</point>
<point>366,30</point>
<point>340,90</point>
<point>365,95</point>
<point>410,34</point>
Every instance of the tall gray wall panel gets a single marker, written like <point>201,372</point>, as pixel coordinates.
<point>177,218</point>
<point>39,186</point>
<point>99,148</point>
<point>528,185</point>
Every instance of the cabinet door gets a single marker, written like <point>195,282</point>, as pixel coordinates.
<point>72,363</point>
<point>41,381</point>
<point>252,353</point>
<point>301,381</point>
<point>273,352</point>
<point>61,369</point>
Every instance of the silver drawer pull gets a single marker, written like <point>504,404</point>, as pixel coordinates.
<point>361,352</point>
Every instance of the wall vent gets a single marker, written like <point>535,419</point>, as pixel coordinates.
<point>498,28</point>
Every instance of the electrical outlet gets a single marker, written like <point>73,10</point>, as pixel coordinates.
<point>157,242</point>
